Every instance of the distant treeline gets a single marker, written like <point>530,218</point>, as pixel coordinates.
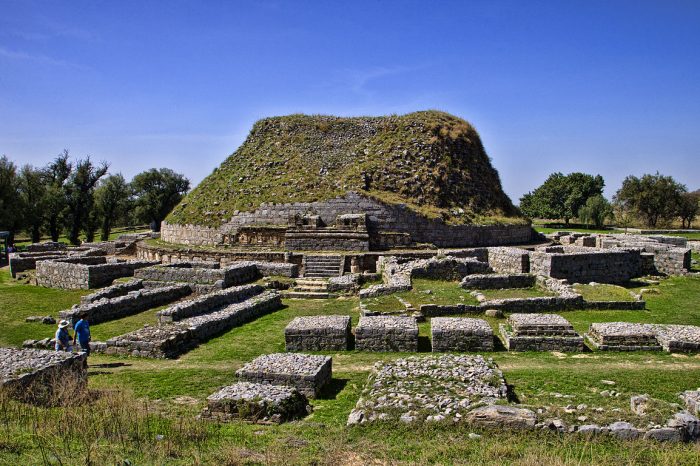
<point>652,200</point>
<point>79,197</point>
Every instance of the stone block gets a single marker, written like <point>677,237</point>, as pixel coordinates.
<point>261,403</point>
<point>386,333</point>
<point>461,334</point>
<point>318,333</point>
<point>307,373</point>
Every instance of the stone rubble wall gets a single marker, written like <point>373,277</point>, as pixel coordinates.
<point>623,336</point>
<point>66,274</point>
<point>460,334</point>
<point>612,266</point>
<point>324,240</point>
<point>46,246</point>
<point>113,291</point>
<point>381,218</point>
<point>132,303</point>
<point>509,260</point>
<point>305,372</point>
<point>21,262</point>
<point>386,333</point>
<point>540,332</point>
<point>38,376</point>
<point>235,274</point>
<point>256,402</point>
<point>497,281</point>
<point>205,303</point>
<point>176,338</point>
<point>318,333</point>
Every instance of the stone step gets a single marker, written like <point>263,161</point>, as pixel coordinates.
<point>323,269</point>
<point>308,295</point>
<point>321,275</point>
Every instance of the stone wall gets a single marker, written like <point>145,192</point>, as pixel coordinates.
<point>47,246</point>
<point>119,289</point>
<point>234,274</point>
<point>122,306</point>
<point>21,262</point>
<point>204,304</point>
<point>67,274</point>
<point>509,260</point>
<point>381,218</point>
<point>497,281</point>
<point>613,266</point>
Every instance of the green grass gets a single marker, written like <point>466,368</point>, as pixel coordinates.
<point>696,257</point>
<point>173,391</point>
<point>105,330</point>
<point>509,293</point>
<point>22,241</point>
<point>602,292</point>
<point>693,235</point>
<point>424,291</point>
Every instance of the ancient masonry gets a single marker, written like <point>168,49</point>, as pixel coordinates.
<point>429,388</point>
<point>84,273</point>
<point>203,279</point>
<point>623,336</point>
<point>256,402</point>
<point>122,306</point>
<point>113,291</point>
<point>307,373</point>
<point>171,340</point>
<point>461,334</point>
<point>206,303</point>
<point>318,333</point>
<point>678,338</point>
<point>386,333</point>
<point>540,332</point>
<point>497,281</point>
<point>42,377</point>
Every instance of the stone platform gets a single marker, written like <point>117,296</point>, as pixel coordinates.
<point>256,402</point>
<point>623,336</point>
<point>318,333</point>
<point>679,338</point>
<point>540,332</point>
<point>307,373</point>
<point>461,334</point>
<point>386,333</point>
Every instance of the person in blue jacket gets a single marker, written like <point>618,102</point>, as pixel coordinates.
<point>63,340</point>
<point>82,333</point>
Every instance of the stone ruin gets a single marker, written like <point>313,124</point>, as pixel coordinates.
<point>387,333</point>
<point>84,272</point>
<point>540,332</point>
<point>203,277</point>
<point>623,336</point>
<point>42,377</point>
<point>318,333</point>
<point>309,374</point>
<point>460,334</point>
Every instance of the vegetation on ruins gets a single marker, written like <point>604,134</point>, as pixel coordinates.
<point>431,161</point>
<point>78,198</point>
<point>561,196</point>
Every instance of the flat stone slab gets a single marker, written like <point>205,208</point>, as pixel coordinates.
<point>387,333</point>
<point>679,338</point>
<point>318,333</point>
<point>305,372</point>
<point>255,402</point>
<point>540,332</point>
<point>461,334</point>
<point>428,388</point>
<point>623,336</point>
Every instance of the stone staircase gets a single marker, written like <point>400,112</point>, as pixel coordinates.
<point>310,288</point>
<point>322,266</point>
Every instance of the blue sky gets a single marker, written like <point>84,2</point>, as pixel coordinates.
<point>608,87</point>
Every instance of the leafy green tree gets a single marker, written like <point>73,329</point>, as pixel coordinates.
<point>688,208</point>
<point>57,173</point>
<point>157,192</point>
<point>596,210</point>
<point>32,190</point>
<point>111,198</point>
<point>651,197</point>
<point>561,196</point>
<point>10,199</point>
<point>80,189</point>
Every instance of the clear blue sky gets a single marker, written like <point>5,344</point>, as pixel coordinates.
<point>609,87</point>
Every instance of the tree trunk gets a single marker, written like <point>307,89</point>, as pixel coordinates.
<point>106,228</point>
<point>36,233</point>
<point>53,228</point>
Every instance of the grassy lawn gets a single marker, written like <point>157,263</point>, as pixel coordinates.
<point>696,257</point>
<point>143,398</point>
<point>22,241</point>
<point>546,230</point>
<point>507,293</point>
<point>602,292</point>
<point>424,291</point>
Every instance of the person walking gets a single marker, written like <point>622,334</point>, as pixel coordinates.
<point>63,340</point>
<point>82,333</point>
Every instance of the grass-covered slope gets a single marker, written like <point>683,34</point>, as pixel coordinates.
<point>431,161</point>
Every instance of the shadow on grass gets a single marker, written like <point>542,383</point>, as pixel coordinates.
<point>109,365</point>
<point>424,345</point>
<point>331,390</point>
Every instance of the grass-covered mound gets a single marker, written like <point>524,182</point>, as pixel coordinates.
<point>431,161</point>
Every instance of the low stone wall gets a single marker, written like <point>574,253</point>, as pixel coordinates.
<point>320,240</point>
<point>509,260</point>
<point>279,269</point>
<point>173,339</point>
<point>623,336</point>
<point>386,333</point>
<point>679,338</point>
<point>540,332</point>
<point>206,303</point>
<point>318,333</point>
<point>539,304</point>
<point>460,334</point>
<point>42,377</point>
<point>256,402</point>
<point>307,373</point>
<point>119,289</point>
<point>235,274</point>
<point>21,262</point>
<point>613,266</point>
<point>122,306</point>
<point>439,310</point>
<point>497,281</point>
<point>68,275</point>
<point>47,246</point>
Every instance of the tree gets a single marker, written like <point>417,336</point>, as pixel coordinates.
<point>32,190</point>
<point>57,172</point>
<point>157,193</point>
<point>111,199</point>
<point>561,196</point>
<point>80,188</point>
<point>651,197</point>
<point>10,199</point>
<point>596,211</point>
<point>622,215</point>
<point>688,208</point>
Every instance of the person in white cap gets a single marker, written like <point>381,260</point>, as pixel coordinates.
<point>63,339</point>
